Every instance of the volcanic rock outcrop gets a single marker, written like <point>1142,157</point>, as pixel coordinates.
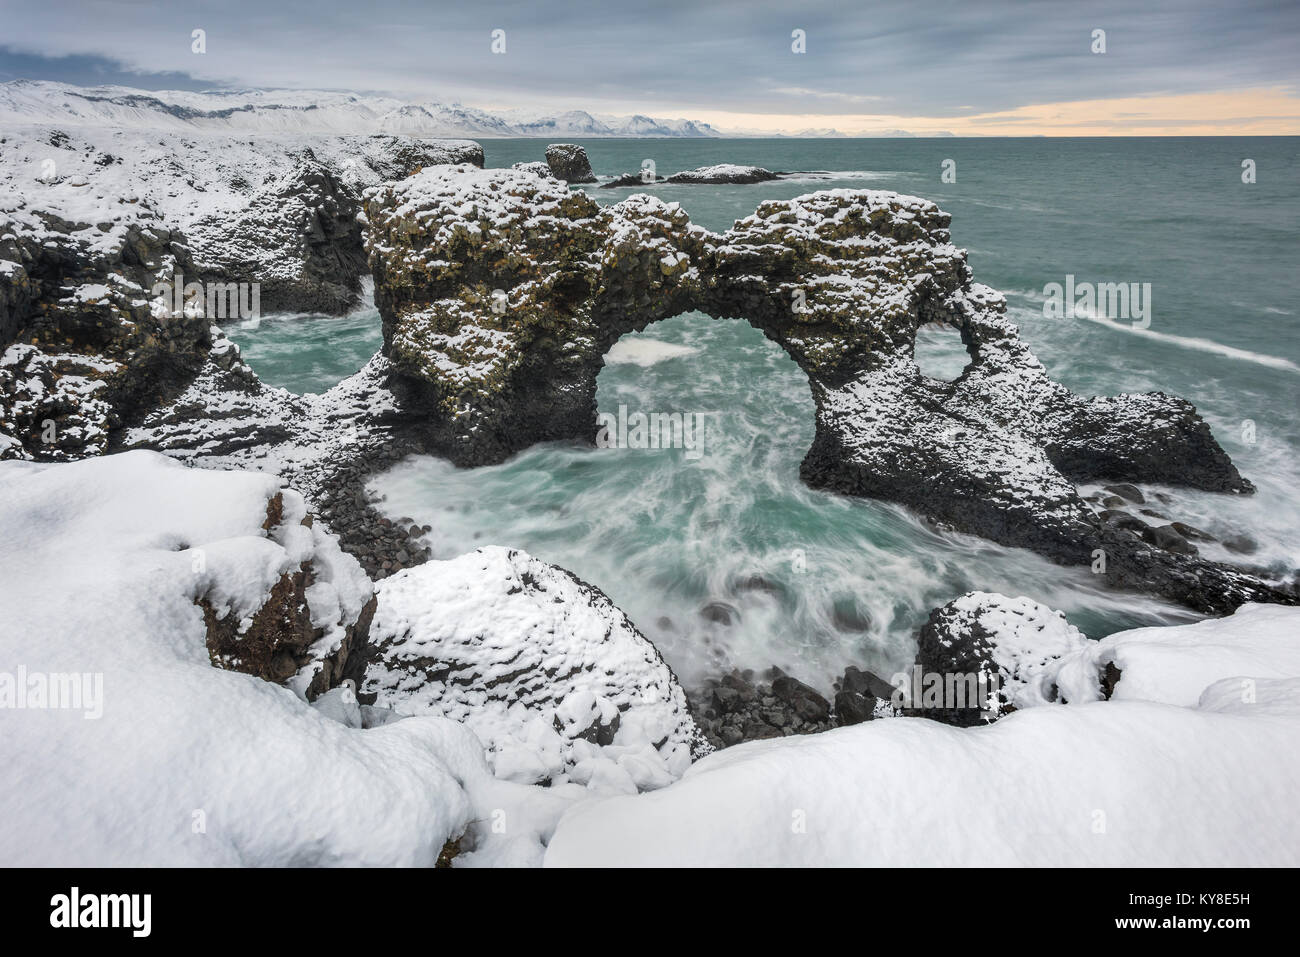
<point>501,291</point>
<point>568,161</point>
<point>93,222</point>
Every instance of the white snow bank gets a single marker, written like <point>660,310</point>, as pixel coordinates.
<point>162,759</point>
<point>556,681</point>
<point>1176,664</point>
<point>1116,783</point>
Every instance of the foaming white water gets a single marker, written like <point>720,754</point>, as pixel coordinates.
<point>729,561</point>
<point>645,352</point>
<point>1190,342</point>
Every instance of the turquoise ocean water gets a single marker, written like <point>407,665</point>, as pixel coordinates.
<point>813,582</point>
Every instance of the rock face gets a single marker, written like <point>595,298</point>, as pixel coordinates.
<point>311,632</point>
<point>1002,648</point>
<point>85,348</point>
<point>275,210</point>
<point>501,292</point>
<point>569,162</point>
<point>556,682</point>
<point>90,225</point>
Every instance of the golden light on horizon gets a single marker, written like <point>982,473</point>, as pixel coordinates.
<point>1271,111</point>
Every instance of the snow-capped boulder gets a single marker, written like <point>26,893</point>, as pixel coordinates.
<point>1002,647</point>
<point>724,173</point>
<point>556,682</point>
<point>568,161</point>
<point>123,745</point>
<point>502,291</point>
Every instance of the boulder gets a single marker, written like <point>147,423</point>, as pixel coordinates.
<point>1167,538</point>
<point>983,655</point>
<point>723,174</point>
<point>852,707</point>
<point>556,682</point>
<point>568,162</point>
<point>802,699</point>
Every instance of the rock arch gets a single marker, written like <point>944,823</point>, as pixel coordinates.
<point>502,290</point>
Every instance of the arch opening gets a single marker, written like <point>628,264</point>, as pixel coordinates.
<point>940,352</point>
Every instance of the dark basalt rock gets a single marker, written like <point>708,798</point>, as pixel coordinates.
<point>1130,492</point>
<point>497,322</point>
<point>1167,537</point>
<point>724,174</point>
<point>568,162</point>
<point>734,708</point>
<point>803,700</point>
<point>865,683</point>
<point>85,349</point>
<point>852,707</point>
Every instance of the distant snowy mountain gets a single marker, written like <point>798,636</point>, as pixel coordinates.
<point>306,111</point>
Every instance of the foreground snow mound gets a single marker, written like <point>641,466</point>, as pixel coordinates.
<point>1177,664</point>
<point>1115,783</point>
<point>555,680</point>
<point>123,745</point>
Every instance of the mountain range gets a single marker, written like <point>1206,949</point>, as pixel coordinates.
<point>309,111</point>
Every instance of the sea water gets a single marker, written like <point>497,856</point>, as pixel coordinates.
<point>725,559</point>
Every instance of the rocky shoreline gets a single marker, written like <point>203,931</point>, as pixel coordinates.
<point>501,291</point>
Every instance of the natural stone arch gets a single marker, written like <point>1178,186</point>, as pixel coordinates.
<point>501,291</point>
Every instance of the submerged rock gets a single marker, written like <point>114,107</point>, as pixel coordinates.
<point>501,292</point>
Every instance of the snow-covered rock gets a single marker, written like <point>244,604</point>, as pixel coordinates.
<point>1010,645</point>
<point>728,173</point>
<point>1124,782</point>
<point>553,678</point>
<point>275,209</point>
<point>123,745</point>
<point>568,161</point>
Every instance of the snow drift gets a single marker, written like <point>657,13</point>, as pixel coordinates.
<point>1114,783</point>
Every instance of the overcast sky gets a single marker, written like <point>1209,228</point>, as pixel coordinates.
<point>967,67</point>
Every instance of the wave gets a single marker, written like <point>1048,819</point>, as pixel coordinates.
<point>1192,342</point>
<point>645,352</point>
